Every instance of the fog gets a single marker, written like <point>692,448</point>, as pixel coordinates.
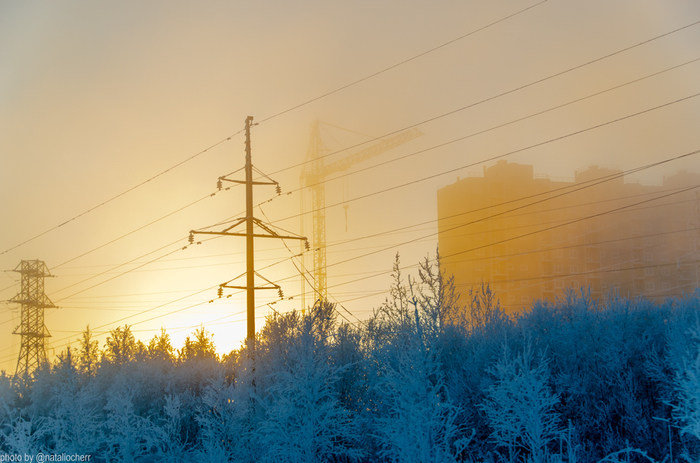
<point>96,99</point>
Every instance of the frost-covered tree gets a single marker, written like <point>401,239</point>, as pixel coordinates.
<point>521,407</point>
<point>687,411</point>
<point>202,347</point>
<point>417,419</point>
<point>160,348</point>
<point>88,353</point>
<point>130,435</point>
<point>120,347</point>
<point>75,420</point>
<point>304,419</point>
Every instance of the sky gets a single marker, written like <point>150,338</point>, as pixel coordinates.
<point>115,119</point>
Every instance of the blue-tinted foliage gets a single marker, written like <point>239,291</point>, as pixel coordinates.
<point>425,379</point>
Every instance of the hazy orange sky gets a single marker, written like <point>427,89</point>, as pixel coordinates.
<point>97,97</point>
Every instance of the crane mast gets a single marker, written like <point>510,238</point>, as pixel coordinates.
<point>313,177</point>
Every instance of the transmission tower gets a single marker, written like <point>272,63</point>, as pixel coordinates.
<point>32,353</point>
<point>265,232</point>
<point>313,176</point>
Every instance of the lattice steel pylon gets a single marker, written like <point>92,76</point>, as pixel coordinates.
<point>32,353</point>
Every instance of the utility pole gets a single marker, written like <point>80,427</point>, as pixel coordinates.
<point>32,353</point>
<point>249,240</point>
<point>250,235</point>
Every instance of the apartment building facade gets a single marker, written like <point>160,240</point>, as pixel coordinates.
<point>533,237</point>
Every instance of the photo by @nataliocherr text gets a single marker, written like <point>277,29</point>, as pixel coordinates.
<point>43,457</point>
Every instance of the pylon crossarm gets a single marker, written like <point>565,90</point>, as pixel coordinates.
<point>243,182</point>
<point>238,222</point>
<point>223,285</point>
<point>260,276</point>
<point>254,287</point>
<point>256,235</point>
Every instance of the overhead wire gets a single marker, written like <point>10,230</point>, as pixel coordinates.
<point>120,194</point>
<point>444,173</point>
<point>500,156</point>
<point>508,92</point>
<point>490,129</point>
<point>539,201</point>
<point>272,117</point>
<point>401,63</point>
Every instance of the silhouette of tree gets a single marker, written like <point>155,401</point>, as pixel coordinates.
<point>201,348</point>
<point>120,347</point>
<point>88,353</point>
<point>160,348</point>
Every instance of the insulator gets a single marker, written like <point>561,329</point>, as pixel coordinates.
<point>191,237</point>
<point>281,294</point>
<point>278,189</point>
<point>219,185</point>
<point>220,292</point>
<point>307,246</point>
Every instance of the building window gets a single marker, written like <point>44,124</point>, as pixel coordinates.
<point>511,267</point>
<point>511,298</point>
<point>647,241</point>
<point>648,256</point>
<point>665,286</point>
<point>649,286</point>
<point>481,267</point>
<point>575,284</point>
<point>559,254</point>
<point>649,272</point>
<point>602,254</point>
<point>523,267</point>
<point>573,254</point>
<point>573,268</point>
<point>525,299</point>
<point>604,285</point>
<point>559,284</point>
<point>665,271</point>
<point>523,283</point>
<point>615,255</point>
<point>558,269</point>
<point>663,257</point>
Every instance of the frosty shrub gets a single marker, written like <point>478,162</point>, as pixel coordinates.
<point>418,420</point>
<point>687,412</point>
<point>304,419</point>
<point>130,436</point>
<point>520,406</point>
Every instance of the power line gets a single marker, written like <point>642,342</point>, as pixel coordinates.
<point>120,194</point>
<point>457,169</point>
<point>481,132</point>
<point>508,92</point>
<point>137,229</point>
<point>401,63</point>
<point>271,117</point>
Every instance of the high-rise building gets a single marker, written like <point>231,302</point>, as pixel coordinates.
<point>532,237</point>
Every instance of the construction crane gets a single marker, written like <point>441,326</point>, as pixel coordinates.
<point>313,177</point>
